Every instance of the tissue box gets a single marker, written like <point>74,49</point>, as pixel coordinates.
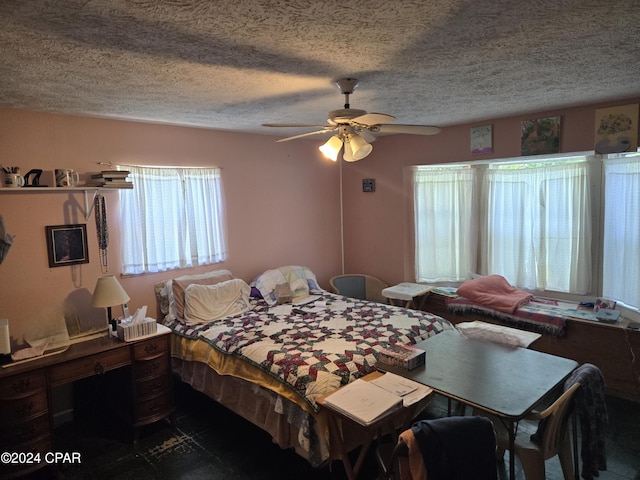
<point>129,331</point>
<point>403,356</point>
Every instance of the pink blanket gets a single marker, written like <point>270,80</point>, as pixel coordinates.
<point>495,292</point>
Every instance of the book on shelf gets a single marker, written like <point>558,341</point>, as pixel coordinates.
<point>111,174</point>
<point>402,356</point>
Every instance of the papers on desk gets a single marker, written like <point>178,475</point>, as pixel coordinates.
<point>410,391</point>
<point>366,402</point>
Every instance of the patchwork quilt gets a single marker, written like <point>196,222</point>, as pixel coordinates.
<point>315,348</point>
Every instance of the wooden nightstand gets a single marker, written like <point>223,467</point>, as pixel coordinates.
<point>26,425</point>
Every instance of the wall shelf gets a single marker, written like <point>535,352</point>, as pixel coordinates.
<point>88,205</point>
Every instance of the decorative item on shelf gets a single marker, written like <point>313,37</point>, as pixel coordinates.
<point>112,179</point>
<point>11,177</point>
<point>66,177</point>
<point>108,293</point>
<point>35,181</point>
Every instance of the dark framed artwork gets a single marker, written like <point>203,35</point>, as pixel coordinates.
<point>67,245</point>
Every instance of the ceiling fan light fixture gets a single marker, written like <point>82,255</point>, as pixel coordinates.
<point>359,147</point>
<point>331,148</point>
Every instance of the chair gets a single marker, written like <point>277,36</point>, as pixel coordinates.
<point>361,286</point>
<point>449,448</point>
<point>542,435</point>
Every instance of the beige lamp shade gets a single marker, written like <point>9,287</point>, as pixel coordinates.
<point>331,149</point>
<point>109,292</point>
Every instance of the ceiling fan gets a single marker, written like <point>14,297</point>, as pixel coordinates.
<point>354,128</point>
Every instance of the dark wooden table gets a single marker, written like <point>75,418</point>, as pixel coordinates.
<point>505,381</point>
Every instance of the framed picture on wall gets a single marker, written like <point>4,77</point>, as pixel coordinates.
<point>67,245</point>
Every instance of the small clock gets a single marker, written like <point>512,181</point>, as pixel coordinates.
<point>368,184</point>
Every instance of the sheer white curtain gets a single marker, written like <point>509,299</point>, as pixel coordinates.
<point>537,232</point>
<point>621,256</point>
<point>445,223</point>
<point>173,218</point>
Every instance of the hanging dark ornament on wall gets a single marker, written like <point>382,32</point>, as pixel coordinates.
<point>102,230</point>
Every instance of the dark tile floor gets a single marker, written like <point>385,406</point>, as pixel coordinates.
<point>209,442</point>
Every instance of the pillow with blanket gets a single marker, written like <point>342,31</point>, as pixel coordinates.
<point>301,280</point>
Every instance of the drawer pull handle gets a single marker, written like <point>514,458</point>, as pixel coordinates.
<point>99,368</point>
<point>151,348</point>
<point>25,410</point>
<point>22,385</point>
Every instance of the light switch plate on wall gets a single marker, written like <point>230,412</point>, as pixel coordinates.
<point>368,184</point>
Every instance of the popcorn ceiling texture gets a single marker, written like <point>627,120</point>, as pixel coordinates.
<point>233,65</point>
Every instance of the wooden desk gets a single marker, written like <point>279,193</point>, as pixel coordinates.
<point>504,381</point>
<point>341,426</point>
<point>26,417</point>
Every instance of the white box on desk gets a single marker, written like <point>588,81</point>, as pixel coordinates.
<point>129,331</point>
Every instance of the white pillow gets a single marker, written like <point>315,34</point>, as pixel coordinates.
<point>206,303</point>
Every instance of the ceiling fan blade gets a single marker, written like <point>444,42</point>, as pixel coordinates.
<point>326,130</point>
<point>373,118</point>
<point>410,129</point>
<point>292,125</point>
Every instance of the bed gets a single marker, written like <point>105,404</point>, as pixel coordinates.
<point>270,361</point>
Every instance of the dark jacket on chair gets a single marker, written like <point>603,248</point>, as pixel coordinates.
<point>457,448</point>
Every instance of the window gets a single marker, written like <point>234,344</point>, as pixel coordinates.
<point>621,233</point>
<point>537,222</point>
<point>173,218</point>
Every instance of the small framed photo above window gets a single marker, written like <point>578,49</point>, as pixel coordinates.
<point>67,245</point>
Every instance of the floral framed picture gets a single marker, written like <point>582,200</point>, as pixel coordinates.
<point>67,245</point>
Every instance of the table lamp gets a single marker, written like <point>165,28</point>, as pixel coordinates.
<point>109,292</point>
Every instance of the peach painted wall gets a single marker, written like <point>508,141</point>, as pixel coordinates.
<point>282,205</point>
<point>377,236</point>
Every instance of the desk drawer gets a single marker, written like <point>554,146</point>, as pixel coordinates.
<point>152,368</point>
<point>20,409</point>
<point>153,387</point>
<point>151,348</point>
<point>22,385</point>
<point>41,445</point>
<point>92,365</point>
<point>153,409</point>
<point>21,432</point>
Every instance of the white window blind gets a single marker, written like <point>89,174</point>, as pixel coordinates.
<point>173,218</point>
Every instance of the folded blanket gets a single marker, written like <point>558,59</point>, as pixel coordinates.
<point>495,292</point>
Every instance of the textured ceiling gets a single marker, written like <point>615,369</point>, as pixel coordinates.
<point>234,65</point>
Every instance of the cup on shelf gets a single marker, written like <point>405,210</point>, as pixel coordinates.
<point>13,180</point>
<point>66,177</point>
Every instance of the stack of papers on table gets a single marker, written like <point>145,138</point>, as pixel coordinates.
<point>367,402</point>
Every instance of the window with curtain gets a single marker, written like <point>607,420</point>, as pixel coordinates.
<point>621,232</point>
<point>531,223</point>
<point>444,223</point>
<point>172,218</point>
<point>537,231</point>
<point>541,223</point>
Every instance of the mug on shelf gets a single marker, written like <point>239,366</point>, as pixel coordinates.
<point>66,177</point>
<point>13,180</point>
